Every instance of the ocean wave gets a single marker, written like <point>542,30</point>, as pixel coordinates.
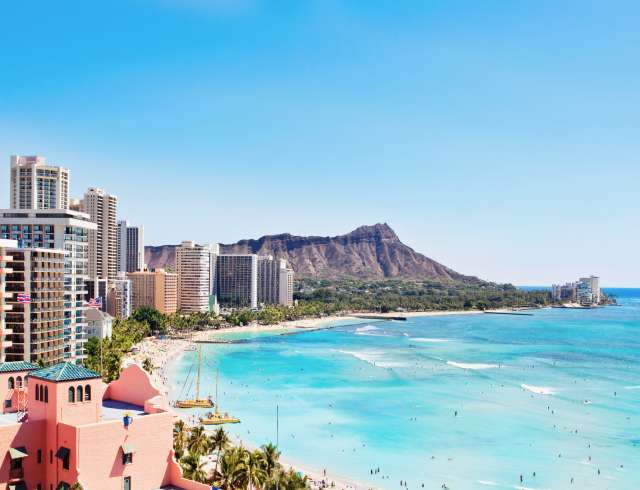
<point>374,358</point>
<point>488,483</point>
<point>367,328</point>
<point>473,366</point>
<point>636,387</point>
<point>424,339</point>
<point>540,390</point>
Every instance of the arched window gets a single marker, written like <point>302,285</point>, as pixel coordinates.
<point>87,392</point>
<point>37,392</point>
<point>41,393</point>
<point>12,383</point>
<point>72,395</point>
<point>46,394</point>
<point>19,382</point>
<point>79,393</point>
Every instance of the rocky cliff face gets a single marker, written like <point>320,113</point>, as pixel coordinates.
<point>369,252</point>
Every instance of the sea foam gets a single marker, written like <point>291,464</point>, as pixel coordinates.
<point>540,390</point>
<point>472,366</point>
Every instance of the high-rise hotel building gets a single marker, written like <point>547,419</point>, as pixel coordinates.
<point>236,281</point>
<point>103,253</point>
<point>65,230</point>
<point>275,281</point>
<point>36,185</point>
<point>130,247</point>
<point>158,289</point>
<point>195,266</point>
<point>35,323</point>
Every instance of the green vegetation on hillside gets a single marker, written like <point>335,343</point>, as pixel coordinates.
<point>387,296</point>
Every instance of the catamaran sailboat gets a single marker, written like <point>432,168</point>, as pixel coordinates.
<point>196,402</point>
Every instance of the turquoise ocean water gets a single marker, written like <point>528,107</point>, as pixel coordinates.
<point>385,395</point>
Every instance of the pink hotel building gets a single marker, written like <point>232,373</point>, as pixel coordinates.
<point>62,425</point>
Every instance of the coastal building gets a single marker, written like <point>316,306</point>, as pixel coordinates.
<point>103,254</point>
<point>196,266</point>
<point>275,281</point>
<point>36,185</point>
<point>236,280</point>
<point>62,425</point>
<point>567,292</point>
<point>35,323</point>
<point>63,230</point>
<point>157,288</point>
<point>5,296</point>
<point>119,297</point>
<point>130,244</point>
<point>99,324</point>
<point>97,290</point>
<point>588,290</point>
<point>286,286</point>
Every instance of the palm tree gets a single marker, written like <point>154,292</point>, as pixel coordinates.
<point>198,443</point>
<point>179,438</point>
<point>218,442</point>
<point>233,470</point>
<point>270,455</point>
<point>256,473</point>
<point>292,480</point>
<point>193,469</point>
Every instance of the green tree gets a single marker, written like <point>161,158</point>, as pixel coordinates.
<point>147,365</point>
<point>180,436</point>
<point>193,469</point>
<point>152,317</point>
<point>198,443</point>
<point>233,469</point>
<point>218,442</point>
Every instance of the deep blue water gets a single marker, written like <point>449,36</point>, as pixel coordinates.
<point>386,394</point>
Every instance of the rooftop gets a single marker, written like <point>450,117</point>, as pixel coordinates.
<point>65,371</point>
<point>11,367</point>
<point>116,410</point>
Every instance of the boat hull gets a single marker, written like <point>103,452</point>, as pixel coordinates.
<point>194,404</point>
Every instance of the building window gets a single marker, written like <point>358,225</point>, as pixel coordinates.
<point>12,383</point>
<point>37,392</point>
<point>16,464</point>
<point>87,392</point>
<point>39,456</point>
<point>46,394</point>
<point>127,458</point>
<point>79,393</point>
<point>72,395</point>
<point>7,403</point>
<point>50,457</point>
<point>19,382</point>
<point>63,454</point>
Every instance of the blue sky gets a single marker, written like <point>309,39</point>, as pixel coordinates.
<point>500,138</point>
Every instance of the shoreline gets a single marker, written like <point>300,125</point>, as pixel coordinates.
<point>164,353</point>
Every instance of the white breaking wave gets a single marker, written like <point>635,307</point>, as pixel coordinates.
<point>375,358</point>
<point>488,483</point>
<point>423,339</point>
<point>540,390</point>
<point>474,366</point>
<point>637,387</point>
<point>366,328</point>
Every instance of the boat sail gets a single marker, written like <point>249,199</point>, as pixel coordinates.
<point>216,418</point>
<point>196,402</point>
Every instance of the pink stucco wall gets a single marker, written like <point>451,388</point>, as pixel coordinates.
<point>133,386</point>
<point>95,444</point>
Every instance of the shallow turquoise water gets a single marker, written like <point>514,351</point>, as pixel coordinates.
<point>385,394</point>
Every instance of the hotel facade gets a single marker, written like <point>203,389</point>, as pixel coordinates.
<point>36,185</point>
<point>34,324</point>
<point>158,289</point>
<point>62,425</point>
<point>103,255</point>
<point>65,230</point>
<point>196,266</point>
